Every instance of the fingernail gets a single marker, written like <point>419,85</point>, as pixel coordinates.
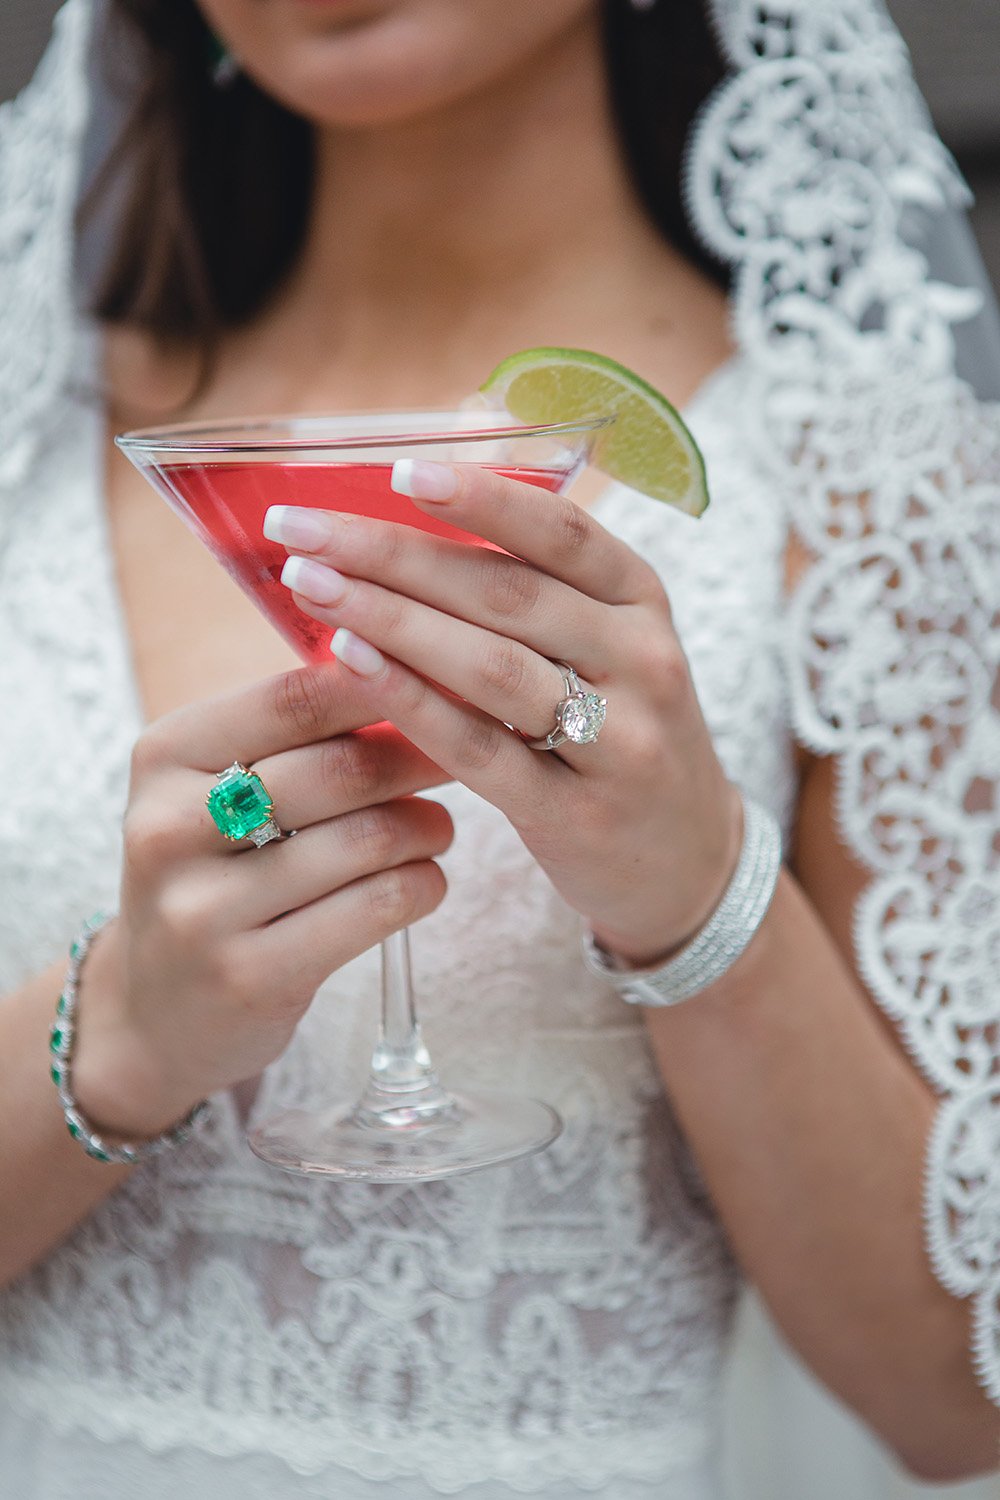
<point>294,526</point>
<point>356,654</point>
<point>313,580</point>
<point>422,480</point>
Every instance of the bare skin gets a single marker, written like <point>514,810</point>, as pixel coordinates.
<point>830,1118</point>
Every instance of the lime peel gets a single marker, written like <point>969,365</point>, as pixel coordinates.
<point>648,447</point>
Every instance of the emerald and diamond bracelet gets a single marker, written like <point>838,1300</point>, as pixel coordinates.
<point>62,1038</point>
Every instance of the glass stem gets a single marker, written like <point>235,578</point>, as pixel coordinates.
<point>403,1092</point>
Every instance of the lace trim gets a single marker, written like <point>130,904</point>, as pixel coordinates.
<point>40,152</point>
<point>593,1464</point>
<point>535,1310</point>
<point>812,169</point>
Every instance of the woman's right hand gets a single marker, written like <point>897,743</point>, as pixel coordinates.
<point>219,948</point>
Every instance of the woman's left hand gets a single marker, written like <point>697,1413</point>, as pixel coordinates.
<point>638,831</point>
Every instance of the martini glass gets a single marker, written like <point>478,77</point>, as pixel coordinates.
<point>220,479</point>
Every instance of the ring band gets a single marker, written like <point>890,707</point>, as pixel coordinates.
<point>580,715</point>
<point>241,807</point>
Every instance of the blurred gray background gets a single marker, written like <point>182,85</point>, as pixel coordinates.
<point>956,51</point>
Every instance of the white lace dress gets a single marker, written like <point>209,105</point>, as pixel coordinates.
<point>552,1328</point>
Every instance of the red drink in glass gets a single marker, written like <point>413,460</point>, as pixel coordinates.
<point>225,503</point>
<point>221,478</point>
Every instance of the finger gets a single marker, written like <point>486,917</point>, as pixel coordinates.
<point>466,742</point>
<point>480,584</point>
<point>280,878</point>
<point>550,531</point>
<point>304,947</point>
<point>295,708</point>
<point>316,782</point>
<point>168,819</point>
<point>494,673</point>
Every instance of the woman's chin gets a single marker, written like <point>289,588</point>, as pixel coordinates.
<point>370,75</point>
<point>365,103</point>
<point>365,63</point>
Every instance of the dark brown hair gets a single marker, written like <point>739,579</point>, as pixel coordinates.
<point>211,186</point>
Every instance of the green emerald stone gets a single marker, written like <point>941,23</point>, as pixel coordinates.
<point>239,803</point>
<point>57,1075</point>
<point>62,1006</point>
<point>56,1040</point>
<point>74,1130</point>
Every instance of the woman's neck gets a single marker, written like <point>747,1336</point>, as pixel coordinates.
<point>486,198</point>
<point>438,246</point>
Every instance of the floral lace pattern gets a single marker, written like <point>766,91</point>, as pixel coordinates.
<point>812,170</point>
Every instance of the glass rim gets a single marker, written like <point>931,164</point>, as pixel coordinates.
<point>257,434</point>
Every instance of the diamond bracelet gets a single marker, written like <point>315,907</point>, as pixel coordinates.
<point>718,944</point>
<point>61,1044</point>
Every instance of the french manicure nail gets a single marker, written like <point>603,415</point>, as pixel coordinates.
<point>313,580</point>
<point>356,654</point>
<point>422,480</point>
<point>294,526</point>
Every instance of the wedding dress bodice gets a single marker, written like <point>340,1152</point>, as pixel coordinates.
<point>554,1326</point>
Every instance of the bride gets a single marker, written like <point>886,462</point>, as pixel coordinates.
<point>367,203</point>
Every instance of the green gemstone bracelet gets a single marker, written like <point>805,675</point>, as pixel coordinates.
<point>61,1042</point>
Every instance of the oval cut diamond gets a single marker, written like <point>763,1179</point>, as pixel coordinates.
<point>582,718</point>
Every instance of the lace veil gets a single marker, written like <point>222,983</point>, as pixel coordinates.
<point>865,317</point>
<point>864,309</point>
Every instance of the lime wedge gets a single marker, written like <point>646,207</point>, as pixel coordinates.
<point>648,447</point>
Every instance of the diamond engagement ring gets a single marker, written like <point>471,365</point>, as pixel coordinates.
<point>579,715</point>
<point>241,807</point>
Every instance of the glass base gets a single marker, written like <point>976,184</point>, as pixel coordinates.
<point>477,1130</point>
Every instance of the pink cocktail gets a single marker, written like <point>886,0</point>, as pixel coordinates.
<point>221,478</point>
<point>226,503</point>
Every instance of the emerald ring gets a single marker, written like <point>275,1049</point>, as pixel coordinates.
<point>241,807</point>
